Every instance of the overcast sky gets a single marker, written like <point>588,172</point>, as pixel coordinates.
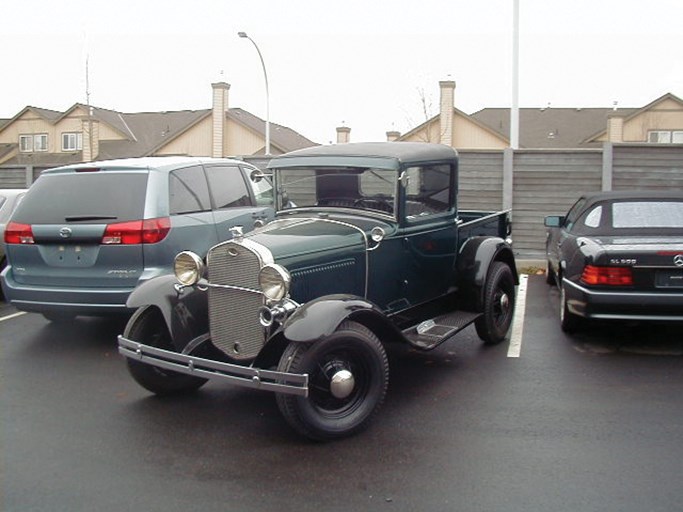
<point>365,64</point>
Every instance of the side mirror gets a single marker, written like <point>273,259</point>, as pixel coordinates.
<point>554,221</point>
<point>257,175</point>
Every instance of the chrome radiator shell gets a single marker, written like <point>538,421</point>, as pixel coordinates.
<point>235,297</point>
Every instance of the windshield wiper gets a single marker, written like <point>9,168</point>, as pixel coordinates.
<point>76,218</point>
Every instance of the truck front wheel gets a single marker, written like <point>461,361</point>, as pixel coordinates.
<point>148,327</point>
<point>499,303</point>
<point>348,375</point>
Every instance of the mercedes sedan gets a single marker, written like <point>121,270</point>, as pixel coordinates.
<point>618,256</point>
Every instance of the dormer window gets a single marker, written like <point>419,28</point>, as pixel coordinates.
<point>72,141</point>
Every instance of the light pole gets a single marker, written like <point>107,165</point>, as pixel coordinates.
<point>265,75</point>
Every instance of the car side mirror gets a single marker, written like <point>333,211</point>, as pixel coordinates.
<point>257,175</point>
<point>554,221</point>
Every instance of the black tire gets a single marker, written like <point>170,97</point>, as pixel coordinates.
<point>322,415</point>
<point>148,327</point>
<point>499,304</point>
<point>569,322</point>
<point>550,275</point>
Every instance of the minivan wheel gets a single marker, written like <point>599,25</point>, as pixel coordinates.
<point>148,327</point>
<point>348,376</point>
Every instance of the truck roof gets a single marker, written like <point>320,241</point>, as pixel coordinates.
<point>389,155</point>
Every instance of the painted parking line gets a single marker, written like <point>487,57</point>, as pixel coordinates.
<point>14,315</point>
<point>515,348</point>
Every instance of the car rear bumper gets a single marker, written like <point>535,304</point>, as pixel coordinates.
<point>70,301</point>
<point>623,304</point>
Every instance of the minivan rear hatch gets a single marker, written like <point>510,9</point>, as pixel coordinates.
<point>71,216</point>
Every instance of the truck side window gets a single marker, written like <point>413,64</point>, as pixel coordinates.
<point>428,191</point>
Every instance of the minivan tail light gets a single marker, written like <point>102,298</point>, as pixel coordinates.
<point>16,233</point>
<point>610,276</point>
<point>148,231</point>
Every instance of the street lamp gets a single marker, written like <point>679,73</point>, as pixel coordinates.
<point>265,75</point>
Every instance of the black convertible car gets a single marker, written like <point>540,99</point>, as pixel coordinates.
<point>618,256</point>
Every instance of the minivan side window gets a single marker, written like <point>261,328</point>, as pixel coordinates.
<point>188,191</point>
<point>227,186</point>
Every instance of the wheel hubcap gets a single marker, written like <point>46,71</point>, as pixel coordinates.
<point>342,384</point>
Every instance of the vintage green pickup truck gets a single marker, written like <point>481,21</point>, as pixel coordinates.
<point>368,249</point>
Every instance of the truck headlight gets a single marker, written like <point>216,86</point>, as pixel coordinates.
<point>188,268</point>
<point>274,281</point>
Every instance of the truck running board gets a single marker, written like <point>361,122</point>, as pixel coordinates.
<point>432,333</point>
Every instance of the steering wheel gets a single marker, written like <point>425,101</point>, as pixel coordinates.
<point>374,203</point>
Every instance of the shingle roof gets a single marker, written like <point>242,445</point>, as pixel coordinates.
<point>552,127</point>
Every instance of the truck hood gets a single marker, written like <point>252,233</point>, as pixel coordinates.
<point>304,237</point>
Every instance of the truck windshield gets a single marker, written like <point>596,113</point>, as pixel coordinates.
<point>325,187</point>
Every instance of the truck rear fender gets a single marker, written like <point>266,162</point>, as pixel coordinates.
<point>474,261</point>
<point>184,313</point>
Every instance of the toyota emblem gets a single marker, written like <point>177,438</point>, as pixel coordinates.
<point>678,260</point>
<point>65,232</point>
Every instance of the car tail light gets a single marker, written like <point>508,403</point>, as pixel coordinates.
<point>16,233</point>
<point>610,276</point>
<point>149,231</point>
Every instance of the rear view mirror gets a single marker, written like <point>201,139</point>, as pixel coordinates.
<point>554,221</point>
<point>257,175</point>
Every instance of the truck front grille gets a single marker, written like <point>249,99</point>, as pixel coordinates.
<point>233,313</point>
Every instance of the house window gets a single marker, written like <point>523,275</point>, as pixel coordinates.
<point>40,142</point>
<point>665,137</point>
<point>26,143</point>
<point>30,143</point>
<point>72,141</point>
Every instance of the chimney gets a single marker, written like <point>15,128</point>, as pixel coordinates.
<point>615,128</point>
<point>219,108</point>
<point>446,111</point>
<point>393,136</point>
<point>91,139</point>
<point>343,135</point>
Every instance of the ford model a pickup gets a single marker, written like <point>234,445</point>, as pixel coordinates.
<point>368,249</point>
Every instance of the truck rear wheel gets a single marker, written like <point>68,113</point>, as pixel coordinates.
<point>348,375</point>
<point>148,327</point>
<point>499,303</point>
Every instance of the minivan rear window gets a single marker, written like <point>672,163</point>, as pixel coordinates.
<point>94,198</point>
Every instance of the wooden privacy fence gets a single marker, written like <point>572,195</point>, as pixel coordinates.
<point>536,183</point>
<point>532,182</point>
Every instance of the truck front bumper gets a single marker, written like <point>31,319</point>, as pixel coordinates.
<point>245,376</point>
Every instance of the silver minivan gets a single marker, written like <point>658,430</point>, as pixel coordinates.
<point>86,235</point>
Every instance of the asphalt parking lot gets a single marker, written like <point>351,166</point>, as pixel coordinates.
<point>546,422</point>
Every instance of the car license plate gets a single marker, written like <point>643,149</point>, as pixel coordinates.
<point>669,279</point>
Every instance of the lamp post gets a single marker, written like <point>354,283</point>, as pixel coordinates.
<point>265,75</point>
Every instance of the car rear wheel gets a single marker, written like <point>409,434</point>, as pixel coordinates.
<point>499,302</point>
<point>148,327</point>
<point>569,322</point>
<point>348,376</point>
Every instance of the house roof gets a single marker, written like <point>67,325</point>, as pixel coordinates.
<point>144,133</point>
<point>552,127</point>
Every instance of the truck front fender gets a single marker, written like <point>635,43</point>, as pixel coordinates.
<point>185,312</point>
<point>320,317</point>
<point>474,260</point>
